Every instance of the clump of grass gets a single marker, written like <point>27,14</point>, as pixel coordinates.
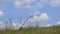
<point>39,30</point>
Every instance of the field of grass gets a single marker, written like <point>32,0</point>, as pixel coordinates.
<point>38,30</point>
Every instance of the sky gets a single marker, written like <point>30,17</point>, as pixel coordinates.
<point>44,12</point>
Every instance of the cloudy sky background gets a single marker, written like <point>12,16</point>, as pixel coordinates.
<point>44,12</point>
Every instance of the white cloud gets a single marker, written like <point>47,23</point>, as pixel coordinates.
<point>48,25</point>
<point>58,23</point>
<point>37,5</point>
<point>41,17</point>
<point>16,26</point>
<point>27,4</point>
<point>54,3</point>
<point>44,16</point>
<point>28,1</point>
<point>36,17</point>
<point>2,25</point>
<point>19,3</point>
<point>7,25</point>
<point>1,13</point>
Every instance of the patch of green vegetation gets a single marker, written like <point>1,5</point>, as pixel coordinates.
<point>38,30</point>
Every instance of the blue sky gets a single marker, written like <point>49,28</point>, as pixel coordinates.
<point>48,11</point>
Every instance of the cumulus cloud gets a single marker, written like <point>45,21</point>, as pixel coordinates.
<point>41,17</point>
<point>1,13</point>
<point>37,17</point>
<point>34,18</point>
<point>44,16</point>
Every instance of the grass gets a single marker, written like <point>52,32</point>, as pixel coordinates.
<point>39,30</point>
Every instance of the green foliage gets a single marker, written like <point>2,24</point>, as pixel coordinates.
<point>39,30</point>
